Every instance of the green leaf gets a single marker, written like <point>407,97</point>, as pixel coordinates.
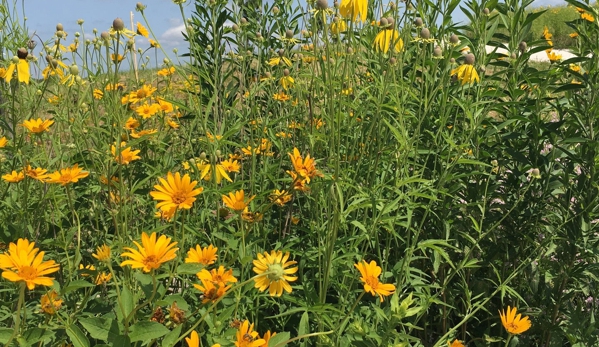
<point>279,340</point>
<point>5,334</point>
<point>146,330</point>
<point>100,328</point>
<point>76,285</point>
<point>35,335</point>
<point>77,336</point>
<point>189,268</point>
<point>171,338</point>
<point>126,304</point>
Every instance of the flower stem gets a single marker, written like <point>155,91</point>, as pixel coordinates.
<point>18,314</point>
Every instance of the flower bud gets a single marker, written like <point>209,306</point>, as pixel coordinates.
<point>243,21</point>
<point>235,27</point>
<point>15,59</point>
<point>392,60</point>
<point>80,21</point>
<point>452,61</point>
<point>140,7</point>
<point>118,24</point>
<point>59,27</point>
<point>349,50</point>
<point>74,70</point>
<point>275,10</point>
<point>218,153</point>
<point>469,59</point>
<point>31,44</point>
<point>203,155</point>
<point>60,34</point>
<point>105,35</point>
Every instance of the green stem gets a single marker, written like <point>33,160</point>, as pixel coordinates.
<point>18,313</point>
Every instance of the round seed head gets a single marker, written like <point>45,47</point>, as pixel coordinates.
<point>425,33</point>
<point>243,21</point>
<point>275,10</point>
<point>139,6</point>
<point>31,44</point>
<point>349,50</point>
<point>391,21</point>
<point>286,72</point>
<point>437,52</point>
<point>469,59</point>
<point>60,34</point>
<point>22,53</point>
<point>454,39</point>
<point>486,11</point>
<point>522,46</point>
<point>289,34</point>
<point>118,24</point>
<point>322,4</point>
<point>418,22</point>
<point>384,22</point>
<point>392,61</point>
<point>105,35</point>
<point>59,27</point>
<point>281,52</point>
<point>235,27</point>
<point>74,70</point>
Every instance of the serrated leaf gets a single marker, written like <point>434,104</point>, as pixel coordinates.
<point>100,328</point>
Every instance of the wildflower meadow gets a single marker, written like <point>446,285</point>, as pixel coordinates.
<point>314,173</point>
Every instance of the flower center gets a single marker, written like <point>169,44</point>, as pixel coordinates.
<point>275,272</point>
<point>151,262</point>
<point>179,198</point>
<point>27,273</point>
<point>67,177</point>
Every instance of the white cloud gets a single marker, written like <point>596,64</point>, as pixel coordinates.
<point>173,36</point>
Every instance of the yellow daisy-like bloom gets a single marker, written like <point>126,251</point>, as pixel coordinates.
<point>338,27</point>
<point>387,38</point>
<point>175,192</point>
<point>230,165</point>
<point>281,96</point>
<point>514,324</point>
<point>137,135</point>
<point>370,276</point>
<point>103,278</point>
<point>68,175</point>
<point>219,170</point>
<point>247,337</point>
<point>146,111</point>
<point>553,57</point>
<point>164,105</point>
<point>211,291</point>
<point>23,263</point>
<point>22,68</point>
<point>151,253</point>
<point>193,340</point>
<point>116,58</point>
<point>276,271</point>
<point>37,173</point>
<point>141,30</point>
<point>466,73</point>
<point>50,302</point>
<point>305,168</point>
<point>98,94</point>
<point>205,256</point>
<point>38,126</point>
<point>354,8</point>
<point>126,156</point>
<point>546,34</point>
<point>218,276</point>
<point>280,197</point>
<point>142,93</point>
<point>154,44</point>
<point>131,124</point>
<point>14,177</point>
<point>3,141</point>
<point>588,17</point>
<point>455,343</point>
<point>166,72</point>
<point>102,253</point>
<point>166,215</point>
<point>267,336</point>
<point>278,60</point>
<point>287,82</point>
<point>236,200</point>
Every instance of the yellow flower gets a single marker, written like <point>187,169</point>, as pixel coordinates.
<point>574,67</point>
<point>205,256</point>
<point>247,337</point>
<point>385,39</point>
<point>370,276</point>
<point>236,200</point>
<point>116,58</point>
<point>103,278</point>
<point>171,123</point>
<point>338,27</point>
<point>21,66</point>
<point>38,126</point>
<point>466,73</point>
<point>50,302</point>
<point>3,141</point>
<point>287,82</point>
<point>219,170</point>
<point>514,324</point>
<point>67,175</point>
<point>211,291</point>
<point>126,155</point>
<point>193,340</point>
<point>175,191</point>
<point>14,177</point>
<point>553,57</point>
<point>151,254</point>
<point>102,253</point>
<point>276,272</point>
<point>251,217</point>
<point>166,72</point>
<point>137,135</point>
<point>144,92</point>
<point>353,8</point>
<point>98,94</point>
<point>546,34</point>
<point>278,60</point>
<point>267,336</point>
<point>166,215</point>
<point>141,30</point>
<point>280,197</point>
<point>455,343</point>
<point>230,165</point>
<point>165,106</point>
<point>23,263</point>
<point>131,124</point>
<point>217,276</point>
<point>281,96</point>
<point>37,173</point>
<point>588,17</point>
<point>154,44</point>
<point>305,168</point>
<point>146,111</point>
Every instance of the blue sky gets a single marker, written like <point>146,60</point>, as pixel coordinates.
<point>163,16</point>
